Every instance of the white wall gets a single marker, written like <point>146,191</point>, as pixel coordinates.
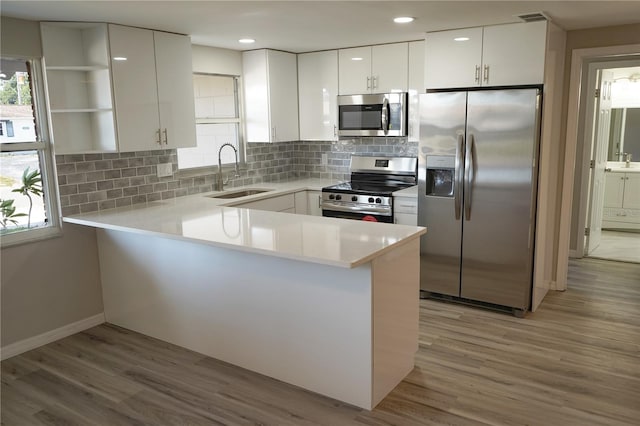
<point>214,60</point>
<point>51,283</point>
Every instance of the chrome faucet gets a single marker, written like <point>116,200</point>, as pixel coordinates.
<point>627,158</point>
<point>219,177</point>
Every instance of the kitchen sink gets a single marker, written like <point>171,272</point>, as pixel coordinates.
<point>238,194</point>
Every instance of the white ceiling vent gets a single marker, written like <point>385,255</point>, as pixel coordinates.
<point>534,17</point>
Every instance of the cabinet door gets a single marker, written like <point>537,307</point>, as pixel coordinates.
<point>389,68</point>
<point>416,86</point>
<point>175,90</point>
<point>405,219</point>
<point>354,70</point>
<point>134,88</point>
<point>283,95</point>
<point>317,97</point>
<point>313,203</point>
<point>631,198</point>
<point>613,189</point>
<point>453,58</point>
<point>514,54</point>
<point>256,105</point>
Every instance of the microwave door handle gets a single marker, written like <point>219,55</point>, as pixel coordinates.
<point>385,116</point>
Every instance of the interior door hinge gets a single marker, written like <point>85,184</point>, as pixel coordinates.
<point>592,164</point>
<point>597,93</point>
<point>587,232</point>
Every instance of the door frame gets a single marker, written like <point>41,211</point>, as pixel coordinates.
<point>580,59</point>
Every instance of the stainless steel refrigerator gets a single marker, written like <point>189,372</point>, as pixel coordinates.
<point>477,176</point>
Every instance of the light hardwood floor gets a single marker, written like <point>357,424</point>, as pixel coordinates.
<point>618,245</point>
<point>574,362</point>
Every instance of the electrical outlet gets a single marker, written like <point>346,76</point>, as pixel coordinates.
<point>165,169</point>
<point>324,159</point>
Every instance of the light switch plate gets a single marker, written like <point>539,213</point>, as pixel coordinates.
<point>165,169</point>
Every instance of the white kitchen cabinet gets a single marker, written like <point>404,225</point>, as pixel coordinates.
<point>621,200</point>
<point>499,55</point>
<point>153,89</point>
<point>271,95</point>
<point>374,69</point>
<point>317,96</point>
<point>405,210</point>
<point>416,87</point>
<point>313,203</point>
<point>78,82</point>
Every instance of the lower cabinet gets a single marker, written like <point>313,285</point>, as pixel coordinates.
<point>405,210</point>
<point>313,203</point>
<point>621,201</point>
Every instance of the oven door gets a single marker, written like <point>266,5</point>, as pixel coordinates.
<point>355,215</point>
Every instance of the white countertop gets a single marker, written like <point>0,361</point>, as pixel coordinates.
<point>324,240</point>
<point>411,191</point>
<point>621,167</point>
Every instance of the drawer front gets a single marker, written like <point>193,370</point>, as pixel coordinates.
<point>621,215</point>
<point>405,205</point>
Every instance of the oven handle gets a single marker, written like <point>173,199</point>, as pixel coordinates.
<point>385,116</point>
<point>382,211</point>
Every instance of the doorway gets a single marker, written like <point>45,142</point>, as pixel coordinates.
<point>609,211</point>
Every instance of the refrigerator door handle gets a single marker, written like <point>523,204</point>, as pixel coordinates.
<point>457,197</point>
<point>468,170</point>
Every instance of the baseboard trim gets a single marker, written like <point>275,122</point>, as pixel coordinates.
<point>50,336</point>
<point>573,254</point>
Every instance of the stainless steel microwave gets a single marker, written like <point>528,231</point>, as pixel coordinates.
<point>383,114</point>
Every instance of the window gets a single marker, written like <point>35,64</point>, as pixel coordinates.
<point>28,207</point>
<point>217,122</point>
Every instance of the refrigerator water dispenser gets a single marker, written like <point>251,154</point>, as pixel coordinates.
<point>440,175</point>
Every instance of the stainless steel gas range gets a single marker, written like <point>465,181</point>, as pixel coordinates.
<point>368,196</point>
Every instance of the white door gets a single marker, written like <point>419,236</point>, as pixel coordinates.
<point>317,96</point>
<point>135,90</point>
<point>354,70</point>
<point>453,58</point>
<point>599,156</point>
<point>283,95</point>
<point>389,68</point>
<point>175,90</point>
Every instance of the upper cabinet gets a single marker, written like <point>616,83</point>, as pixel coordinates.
<point>79,87</point>
<point>374,69</point>
<point>153,89</point>
<point>271,95</point>
<point>317,97</point>
<point>416,86</point>
<point>500,55</point>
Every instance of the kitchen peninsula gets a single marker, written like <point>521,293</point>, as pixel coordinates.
<point>330,305</point>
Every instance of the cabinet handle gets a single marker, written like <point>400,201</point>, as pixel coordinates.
<point>335,130</point>
<point>158,140</point>
<point>368,83</point>
<point>477,74</point>
<point>486,74</point>
<point>375,82</point>
<point>166,138</point>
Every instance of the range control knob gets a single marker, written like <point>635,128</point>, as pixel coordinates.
<point>371,200</point>
<point>378,200</point>
<point>338,197</point>
<point>331,196</point>
<point>354,198</point>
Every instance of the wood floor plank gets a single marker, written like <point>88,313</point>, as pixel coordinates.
<point>576,361</point>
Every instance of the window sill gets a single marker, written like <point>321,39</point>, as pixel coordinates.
<point>30,236</point>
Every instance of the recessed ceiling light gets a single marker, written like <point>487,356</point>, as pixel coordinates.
<point>403,19</point>
<point>247,40</point>
<point>119,58</point>
<point>461,39</point>
<point>356,59</point>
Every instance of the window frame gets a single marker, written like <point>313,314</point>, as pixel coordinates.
<point>43,146</point>
<point>239,120</point>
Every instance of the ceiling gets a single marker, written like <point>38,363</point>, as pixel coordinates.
<point>302,26</point>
